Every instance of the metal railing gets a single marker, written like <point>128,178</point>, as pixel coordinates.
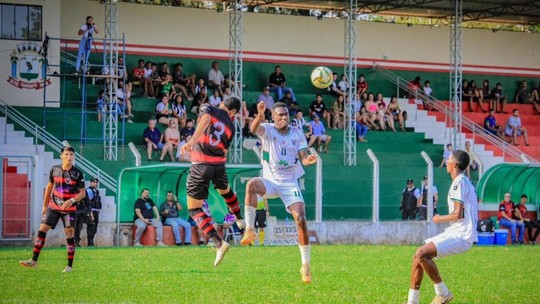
<point>477,130</point>
<point>54,143</point>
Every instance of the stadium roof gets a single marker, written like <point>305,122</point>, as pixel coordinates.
<point>524,12</point>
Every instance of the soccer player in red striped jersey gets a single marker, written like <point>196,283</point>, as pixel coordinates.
<point>64,190</point>
<point>208,147</point>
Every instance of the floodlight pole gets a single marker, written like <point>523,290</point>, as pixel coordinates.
<point>110,56</point>
<point>235,74</point>
<point>349,128</point>
<point>456,71</point>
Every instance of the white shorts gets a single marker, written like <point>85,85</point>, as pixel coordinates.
<point>448,245</point>
<point>288,192</point>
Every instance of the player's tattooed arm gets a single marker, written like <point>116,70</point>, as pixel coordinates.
<point>306,158</point>
<point>256,127</point>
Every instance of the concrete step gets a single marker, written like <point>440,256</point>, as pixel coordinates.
<point>26,149</point>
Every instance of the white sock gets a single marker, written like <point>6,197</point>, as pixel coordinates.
<point>249,214</point>
<point>305,253</point>
<point>414,296</point>
<point>441,289</point>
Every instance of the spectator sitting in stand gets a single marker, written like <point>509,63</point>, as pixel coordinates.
<point>521,213</point>
<point>317,131</point>
<point>498,99</point>
<point>123,95</point>
<point>395,112</point>
<point>361,126</point>
<point>372,111</point>
<point>227,93</point>
<point>536,99</point>
<point>138,73</point>
<point>515,129</point>
<point>146,81</point>
<point>183,157</point>
<point>291,104</point>
<point>343,84</point>
<point>446,155</point>
<point>486,94</point>
<point>278,85</point>
<point>318,107</point>
<point>506,216</point>
<point>200,85</point>
<point>338,112</point>
<point>265,96</point>
<point>477,96</point>
<point>334,89</point>
<point>214,100</point>
<point>361,85</point>
<point>171,139</point>
<point>216,81</point>
<point>153,139</point>
<point>188,130</point>
<point>490,125</point>
<point>300,122</point>
<point>522,93</point>
<point>200,98</point>
<point>180,80</point>
<point>167,86</point>
<point>179,111</point>
<point>363,117</point>
<point>163,111</point>
<point>385,117</point>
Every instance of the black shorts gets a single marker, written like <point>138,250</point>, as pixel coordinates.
<point>260,218</point>
<point>52,217</point>
<point>200,176</point>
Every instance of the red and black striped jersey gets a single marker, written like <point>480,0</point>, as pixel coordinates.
<point>66,185</point>
<point>212,145</point>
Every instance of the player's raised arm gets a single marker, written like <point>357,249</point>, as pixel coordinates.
<point>306,158</point>
<point>256,127</point>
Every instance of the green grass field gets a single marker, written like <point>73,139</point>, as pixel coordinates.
<point>341,274</point>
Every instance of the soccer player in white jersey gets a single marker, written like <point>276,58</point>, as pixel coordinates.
<point>457,238</point>
<point>283,146</point>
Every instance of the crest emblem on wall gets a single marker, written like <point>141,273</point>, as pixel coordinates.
<point>28,67</point>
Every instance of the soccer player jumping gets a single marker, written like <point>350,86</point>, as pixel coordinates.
<point>457,238</point>
<point>208,147</point>
<point>64,190</point>
<point>282,147</point>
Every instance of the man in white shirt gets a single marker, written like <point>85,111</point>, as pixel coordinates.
<point>87,31</point>
<point>283,146</point>
<point>515,129</point>
<point>457,238</point>
<point>216,80</point>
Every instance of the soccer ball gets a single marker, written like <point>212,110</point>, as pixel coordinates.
<point>322,77</point>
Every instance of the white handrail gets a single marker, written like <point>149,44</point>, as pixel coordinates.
<point>54,143</point>
<point>135,153</point>
<point>376,186</point>
<point>477,130</point>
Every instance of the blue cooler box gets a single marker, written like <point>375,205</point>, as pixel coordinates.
<point>500,237</point>
<point>486,238</point>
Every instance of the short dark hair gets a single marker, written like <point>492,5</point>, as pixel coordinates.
<point>498,84</point>
<point>214,62</point>
<point>140,60</point>
<point>89,17</point>
<point>515,110</point>
<point>448,145</point>
<point>462,159</point>
<point>524,196</point>
<point>189,120</point>
<point>232,103</point>
<point>67,148</point>
<point>277,66</point>
<point>279,105</point>
<point>318,95</point>
<point>169,192</point>
<point>145,189</point>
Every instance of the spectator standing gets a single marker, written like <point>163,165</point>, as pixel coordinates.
<point>277,83</point>
<point>521,212</point>
<point>87,32</point>
<point>506,216</point>
<point>152,138</point>
<point>169,210</point>
<point>92,194</point>
<point>515,129</point>
<point>428,91</point>
<point>410,199</point>
<point>146,213</point>
<point>424,202</point>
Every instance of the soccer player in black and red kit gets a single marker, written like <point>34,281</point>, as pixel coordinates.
<point>208,148</point>
<point>64,190</point>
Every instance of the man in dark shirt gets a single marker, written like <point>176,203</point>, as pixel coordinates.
<point>62,194</point>
<point>521,214</point>
<point>146,213</point>
<point>152,138</point>
<point>498,98</point>
<point>522,94</point>
<point>277,84</point>
<point>318,107</point>
<point>506,219</point>
<point>188,130</point>
<point>292,105</point>
<point>208,146</point>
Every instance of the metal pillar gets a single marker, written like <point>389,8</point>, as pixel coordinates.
<point>110,56</point>
<point>349,130</point>
<point>235,74</point>
<point>456,72</point>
